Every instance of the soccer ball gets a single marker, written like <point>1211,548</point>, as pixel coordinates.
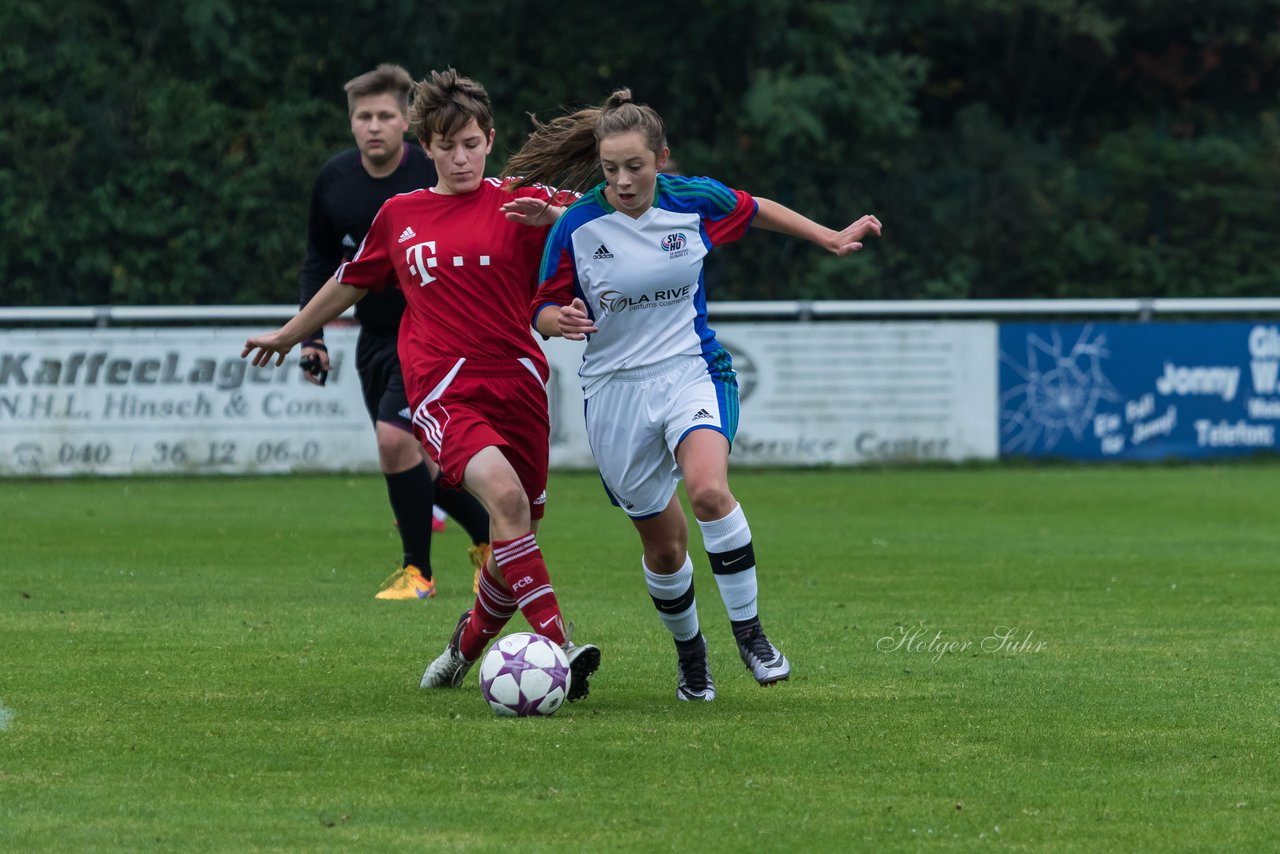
<point>523,675</point>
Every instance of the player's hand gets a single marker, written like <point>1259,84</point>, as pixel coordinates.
<point>322,355</point>
<point>574,322</point>
<point>528,210</point>
<point>850,240</point>
<point>260,348</point>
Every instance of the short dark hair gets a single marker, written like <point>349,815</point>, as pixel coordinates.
<point>446,102</point>
<point>383,80</point>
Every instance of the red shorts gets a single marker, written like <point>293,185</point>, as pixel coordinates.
<point>478,404</point>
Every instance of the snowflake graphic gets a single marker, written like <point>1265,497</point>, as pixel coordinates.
<point>1060,391</point>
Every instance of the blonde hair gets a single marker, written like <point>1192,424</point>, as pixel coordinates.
<point>385,79</point>
<point>564,152</point>
<point>446,102</point>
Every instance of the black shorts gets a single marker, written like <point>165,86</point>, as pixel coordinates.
<point>381,383</point>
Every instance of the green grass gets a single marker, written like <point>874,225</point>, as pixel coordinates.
<point>199,665</point>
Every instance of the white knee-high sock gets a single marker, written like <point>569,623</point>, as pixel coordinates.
<point>733,560</point>
<point>673,597</point>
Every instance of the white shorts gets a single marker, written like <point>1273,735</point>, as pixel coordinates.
<point>639,416</point>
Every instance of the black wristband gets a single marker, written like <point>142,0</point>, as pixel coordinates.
<point>316,344</point>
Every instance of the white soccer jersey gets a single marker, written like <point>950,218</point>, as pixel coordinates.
<point>641,278</point>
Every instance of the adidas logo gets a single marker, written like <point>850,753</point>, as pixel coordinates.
<point>602,253</point>
<point>348,242</point>
<point>406,234</point>
<point>702,413</point>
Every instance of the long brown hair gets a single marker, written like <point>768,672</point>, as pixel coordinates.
<point>563,151</point>
<point>446,102</point>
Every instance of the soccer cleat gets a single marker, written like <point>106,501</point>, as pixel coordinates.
<point>765,661</point>
<point>450,667</point>
<point>583,661</point>
<point>479,557</point>
<point>694,679</point>
<point>407,583</point>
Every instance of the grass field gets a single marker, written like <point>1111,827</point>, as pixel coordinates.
<point>199,665</point>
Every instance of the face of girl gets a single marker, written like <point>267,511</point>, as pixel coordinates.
<point>630,171</point>
<point>459,158</point>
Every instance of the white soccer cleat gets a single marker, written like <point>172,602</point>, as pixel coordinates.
<point>450,667</point>
<point>765,661</point>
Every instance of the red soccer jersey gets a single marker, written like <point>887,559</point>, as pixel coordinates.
<point>467,273</point>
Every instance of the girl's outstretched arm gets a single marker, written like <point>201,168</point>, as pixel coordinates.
<point>328,303</point>
<point>772,216</point>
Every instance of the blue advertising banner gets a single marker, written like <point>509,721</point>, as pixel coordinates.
<point>1139,391</point>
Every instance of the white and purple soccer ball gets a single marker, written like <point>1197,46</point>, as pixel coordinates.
<point>524,675</point>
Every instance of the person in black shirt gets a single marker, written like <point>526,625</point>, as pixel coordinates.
<point>347,195</point>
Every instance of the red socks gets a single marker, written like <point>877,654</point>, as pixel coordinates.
<point>520,561</point>
<point>494,607</point>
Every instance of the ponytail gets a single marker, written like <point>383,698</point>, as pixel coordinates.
<point>564,152</point>
<point>560,153</point>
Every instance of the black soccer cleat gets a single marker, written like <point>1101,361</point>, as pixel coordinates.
<point>583,661</point>
<point>693,681</point>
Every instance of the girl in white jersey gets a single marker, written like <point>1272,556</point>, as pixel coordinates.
<point>623,270</point>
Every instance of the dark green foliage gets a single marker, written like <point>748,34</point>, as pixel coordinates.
<point>163,153</point>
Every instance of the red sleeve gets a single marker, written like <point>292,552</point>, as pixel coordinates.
<point>564,198</point>
<point>729,226</point>
<point>536,237</point>
<point>558,288</point>
<point>559,198</point>
<point>371,267</point>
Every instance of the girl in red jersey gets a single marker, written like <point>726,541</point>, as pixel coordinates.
<point>465,254</point>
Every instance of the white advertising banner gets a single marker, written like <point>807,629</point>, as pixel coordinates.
<point>850,393</point>
<point>173,401</point>
<point>181,401</point>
